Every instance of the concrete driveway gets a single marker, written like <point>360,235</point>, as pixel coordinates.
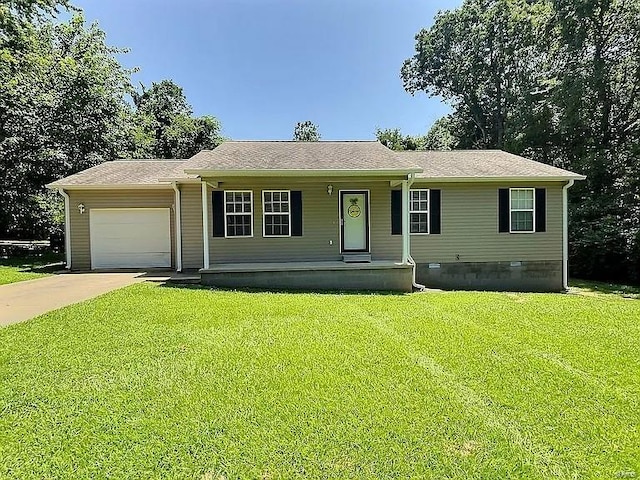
<point>24,300</point>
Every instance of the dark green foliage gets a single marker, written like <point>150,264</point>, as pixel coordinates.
<point>306,132</point>
<point>65,106</point>
<point>440,136</point>
<point>393,139</point>
<point>557,81</point>
<point>163,125</point>
<point>61,110</point>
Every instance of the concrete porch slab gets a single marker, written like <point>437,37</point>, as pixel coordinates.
<point>377,276</point>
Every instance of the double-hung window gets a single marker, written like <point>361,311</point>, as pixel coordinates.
<point>522,210</point>
<point>276,209</point>
<point>238,213</point>
<point>419,211</point>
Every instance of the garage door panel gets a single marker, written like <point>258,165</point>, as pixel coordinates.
<point>111,241</point>
<point>130,260</point>
<point>130,238</point>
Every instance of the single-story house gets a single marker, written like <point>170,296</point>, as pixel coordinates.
<point>326,215</point>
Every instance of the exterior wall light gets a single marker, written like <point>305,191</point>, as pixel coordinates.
<point>81,208</point>
<point>329,189</point>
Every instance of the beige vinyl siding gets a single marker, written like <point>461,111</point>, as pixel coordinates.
<point>320,222</point>
<point>142,198</point>
<point>192,249</point>
<point>470,227</point>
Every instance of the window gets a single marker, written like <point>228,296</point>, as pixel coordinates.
<point>238,214</point>
<point>419,211</point>
<point>276,213</point>
<point>522,208</point>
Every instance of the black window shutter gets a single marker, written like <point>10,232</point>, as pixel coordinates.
<point>503,210</point>
<point>434,212</point>
<point>296,213</point>
<point>541,209</point>
<point>396,212</point>
<point>218,213</point>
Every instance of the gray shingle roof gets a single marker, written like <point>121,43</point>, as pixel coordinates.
<point>365,156</point>
<point>481,164</point>
<point>125,172</point>
<point>311,157</point>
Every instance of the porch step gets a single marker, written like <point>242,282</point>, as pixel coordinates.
<point>356,258</point>
<point>184,279</point>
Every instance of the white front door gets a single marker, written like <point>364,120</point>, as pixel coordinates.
<point>354,220</point>
<point>130,237</point>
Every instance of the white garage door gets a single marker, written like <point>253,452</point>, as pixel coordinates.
<point>130,238</point>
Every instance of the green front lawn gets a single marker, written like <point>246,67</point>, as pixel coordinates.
<point>153,381</point>
<point>17,269</point>
<point>15,274</point>
<point>591,287</point>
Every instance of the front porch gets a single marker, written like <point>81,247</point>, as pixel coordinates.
<point>328,275</point>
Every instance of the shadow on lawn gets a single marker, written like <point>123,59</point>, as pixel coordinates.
<point>47,262</point>
<point>198,286</point>
<point>594,288</point>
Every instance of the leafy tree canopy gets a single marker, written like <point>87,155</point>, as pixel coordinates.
<point>393,139</point>
<point>306,132</point>
<point>65,105</point>
<point>62,108</point>
<point>557,81</point>
<point>163,125</point>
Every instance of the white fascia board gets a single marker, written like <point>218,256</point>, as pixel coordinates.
<point>496,179</point>
<point>179,180</point>
<point>299,173</point>
<point>113,186</point>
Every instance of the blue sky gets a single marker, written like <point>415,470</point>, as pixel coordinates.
<point>260,66</point>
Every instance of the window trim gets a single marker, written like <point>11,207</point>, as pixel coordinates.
<point>226,214</point>
<point>532,210</point>
<point>265,213</point>
<point>427,211</point>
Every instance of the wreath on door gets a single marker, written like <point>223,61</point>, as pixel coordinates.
<point>354,209</point>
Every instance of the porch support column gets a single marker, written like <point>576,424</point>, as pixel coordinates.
<point>67,227</point>
<point>205,225</point>
<point>565,235</point>
<point>177,211</point>
<point>405,222</point>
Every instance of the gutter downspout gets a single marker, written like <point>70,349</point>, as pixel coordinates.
<point>405,222</point>
<point>178,224</point>
<point>409,258</point>
<point>67,227</point>
<point>205,226</point>
<point>565,235</point>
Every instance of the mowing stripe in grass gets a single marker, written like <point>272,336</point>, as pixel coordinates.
<point>473,403</point>
<point>160,382</point>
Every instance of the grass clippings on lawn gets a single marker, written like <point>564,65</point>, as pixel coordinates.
<point>150,382</point>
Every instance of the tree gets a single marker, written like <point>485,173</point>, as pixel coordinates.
<point>163,125</point>
<point>481,58</point>
<point>62,109</point>
<point>557,81</point>
<point>392,138</point>
<point>441,135</point>
<point>597,71</point>
<point>17,19</point>
<point>306,132</point>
